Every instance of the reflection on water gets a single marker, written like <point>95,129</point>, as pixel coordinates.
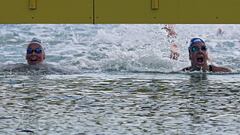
<point>120,104</point>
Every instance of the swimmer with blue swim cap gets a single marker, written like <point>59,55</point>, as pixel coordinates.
<point>198,56</point>
<point>35,53</point>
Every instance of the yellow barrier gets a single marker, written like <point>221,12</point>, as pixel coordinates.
<point>46,11</point>
<point>120,11</point>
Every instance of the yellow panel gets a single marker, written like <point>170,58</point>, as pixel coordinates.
<point>136,11</point>
<point>46,11</point>
<point>210,11</point>
<point>169,11</point>
<point>120,11</point>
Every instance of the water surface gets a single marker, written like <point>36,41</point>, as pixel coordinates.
<point>120,103</point>
<point>117,80</point>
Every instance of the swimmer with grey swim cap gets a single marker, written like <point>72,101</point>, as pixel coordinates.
<point>35,53</point>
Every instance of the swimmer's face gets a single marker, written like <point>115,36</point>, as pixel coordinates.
<point>198,54</point>
<point>35,54</point>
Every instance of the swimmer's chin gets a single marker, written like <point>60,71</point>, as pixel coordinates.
<point>34,63</point>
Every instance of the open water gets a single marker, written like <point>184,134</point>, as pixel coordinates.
<point>119,81</point>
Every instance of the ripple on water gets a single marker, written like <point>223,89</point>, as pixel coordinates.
<point>120,104</point>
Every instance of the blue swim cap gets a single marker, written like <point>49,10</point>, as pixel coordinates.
<point>195,40</point>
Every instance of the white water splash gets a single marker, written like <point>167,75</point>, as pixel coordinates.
<point>118,47</point>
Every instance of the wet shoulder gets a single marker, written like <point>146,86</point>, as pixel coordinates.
<point>218,69</point>
<point>21,68</point>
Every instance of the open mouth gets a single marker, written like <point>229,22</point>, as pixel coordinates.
<point>200,60</point>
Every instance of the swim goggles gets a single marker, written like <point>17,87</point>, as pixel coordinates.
<point>196,49</point>
<point>37,50</point>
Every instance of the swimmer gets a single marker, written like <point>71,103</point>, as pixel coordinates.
<point>35,53</point>
<point>198,56</point>
<point>35,56</point>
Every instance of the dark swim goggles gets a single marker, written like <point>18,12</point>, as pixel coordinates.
<point>196,49</point>
<point>37,50</point>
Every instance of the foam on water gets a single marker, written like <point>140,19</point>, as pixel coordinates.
<point>139,48</point>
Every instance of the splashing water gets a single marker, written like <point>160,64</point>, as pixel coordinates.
<point>133,48</point>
